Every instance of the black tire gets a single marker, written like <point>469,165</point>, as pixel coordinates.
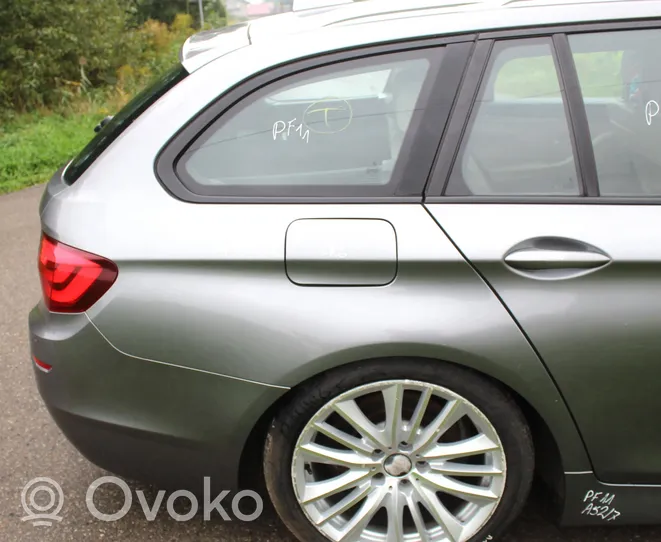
<point>499,407</point>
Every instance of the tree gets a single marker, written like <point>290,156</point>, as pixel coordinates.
<point>166,10</point>
<point>160,10</point>
<point>47,47</point>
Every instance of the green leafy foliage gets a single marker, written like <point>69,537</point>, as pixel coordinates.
<point>159,10</point>
<point>63,109</point>
<point>166,11</point>
<point>51,53</point>
<point>49,50</point>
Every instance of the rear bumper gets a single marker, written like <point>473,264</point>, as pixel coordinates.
<point>142,419</point>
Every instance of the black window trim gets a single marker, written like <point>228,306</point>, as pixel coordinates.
<point>423,147</point>
<point>475,80</point>
<point>579,126</point>
<point>577,115</point>
<point>458,123</point>
<point>119,123</point>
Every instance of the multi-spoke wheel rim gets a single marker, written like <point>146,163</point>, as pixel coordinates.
<point>399,460</point>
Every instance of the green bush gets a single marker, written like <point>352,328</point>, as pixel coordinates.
<point>159,10</point>
<point>156,49</point>
<point>59,56</point>
<point>166,11</point>
<point>49,49</point>
<point>34,144</point>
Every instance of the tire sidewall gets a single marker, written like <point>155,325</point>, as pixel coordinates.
<point>493,401</point>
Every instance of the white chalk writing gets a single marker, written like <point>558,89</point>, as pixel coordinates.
<point>600,505</point>
<point>285,129</point>
<point>652,109</point>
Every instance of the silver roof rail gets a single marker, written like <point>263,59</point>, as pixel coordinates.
<point>302,5</point>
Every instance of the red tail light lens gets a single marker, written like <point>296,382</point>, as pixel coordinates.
<point>72,280</point>
<point>43,366</point>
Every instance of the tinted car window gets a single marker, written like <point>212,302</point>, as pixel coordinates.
<point>341,125</point>
<point>111,131</point>
<point>518,140</point>
<point>620,77</point>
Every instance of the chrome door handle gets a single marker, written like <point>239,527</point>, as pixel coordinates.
<point>534,258</point>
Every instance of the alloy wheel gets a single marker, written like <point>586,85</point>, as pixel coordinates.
<point>399,460</point>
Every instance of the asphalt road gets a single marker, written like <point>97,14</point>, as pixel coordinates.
<point>31,445</point>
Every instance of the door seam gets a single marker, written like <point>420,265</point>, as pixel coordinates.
<point>523,332</point>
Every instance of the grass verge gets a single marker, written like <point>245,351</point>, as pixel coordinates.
<point>33,147</point>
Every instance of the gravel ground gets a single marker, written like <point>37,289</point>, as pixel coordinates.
<point>32,446</point>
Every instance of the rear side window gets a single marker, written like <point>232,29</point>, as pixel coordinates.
<point>120,122</point>
<point>518,139</point>
<point>620,78</point>
<point>345,126</point>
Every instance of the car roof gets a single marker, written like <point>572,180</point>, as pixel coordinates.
<point>413,18</point>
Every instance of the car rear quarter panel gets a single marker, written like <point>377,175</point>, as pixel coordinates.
<point>205,287</point>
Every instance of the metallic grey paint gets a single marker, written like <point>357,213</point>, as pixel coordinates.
<point>596,327</point>
<point>334,252</point>
<point>141,418</point>
<point>204,329</point>
<point>596,330</point>
<point>211,293</point>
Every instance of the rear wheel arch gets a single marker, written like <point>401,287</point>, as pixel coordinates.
<point>549,459</point>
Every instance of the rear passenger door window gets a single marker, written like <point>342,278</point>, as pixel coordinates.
<point>343,128</point>
<point>620,79</point>
<point>518,140</point>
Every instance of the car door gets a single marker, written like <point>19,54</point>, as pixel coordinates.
<point>549,184</point>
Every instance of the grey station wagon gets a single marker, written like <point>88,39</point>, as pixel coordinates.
<point>391,259</point>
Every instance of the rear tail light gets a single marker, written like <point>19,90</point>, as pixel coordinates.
<point>72,280</point>
<point>43,366</point>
